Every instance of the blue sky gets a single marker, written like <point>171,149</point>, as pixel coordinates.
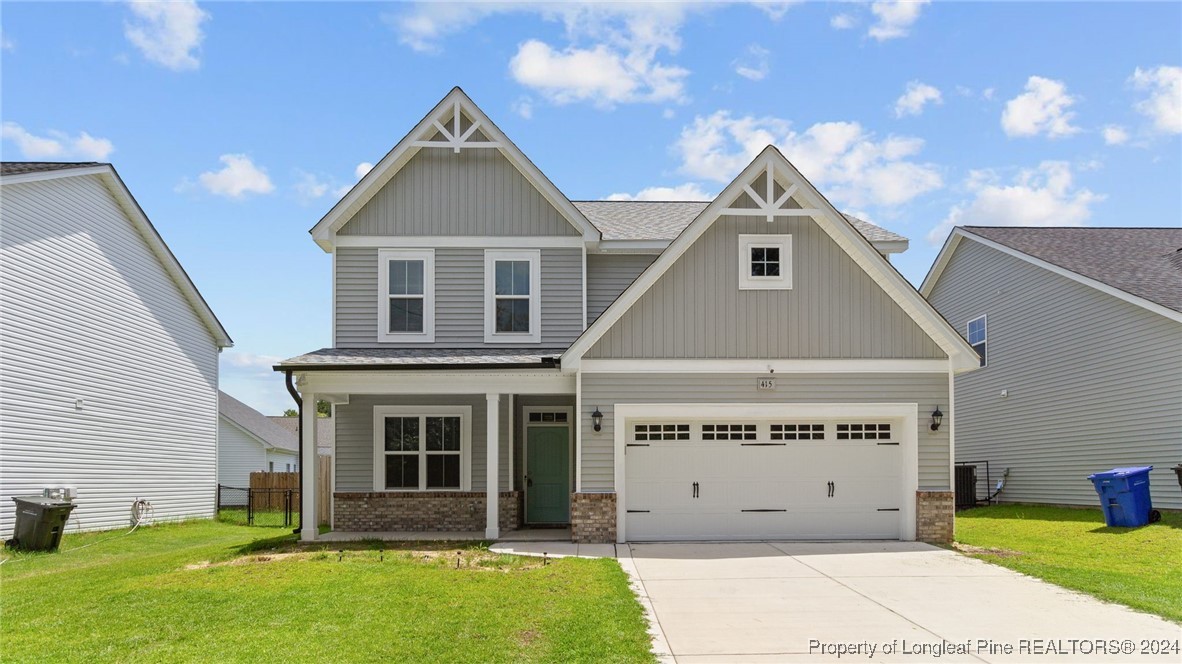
<point>237,125</point>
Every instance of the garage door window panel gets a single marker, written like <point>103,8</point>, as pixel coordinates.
<point>863,431</point>
<point>663,431</point>
<point>728,432</point>
<point>798,432</point>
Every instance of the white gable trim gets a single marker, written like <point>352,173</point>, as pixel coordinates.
<point>324,232</point>
<point>139,220</point>
<point>828,218</point>
<point>953,241</point>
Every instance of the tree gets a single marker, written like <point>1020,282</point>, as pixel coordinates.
<point>290,412</point>
<point>323,409</point>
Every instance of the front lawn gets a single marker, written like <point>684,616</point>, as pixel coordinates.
<point>212,591</point>
<point>1138,567</point>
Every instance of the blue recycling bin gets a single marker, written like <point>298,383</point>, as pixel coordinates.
<point>1124,496</point>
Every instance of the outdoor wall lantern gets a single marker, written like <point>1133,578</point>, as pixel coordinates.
<point>937,418</point>
<point>597,419</point>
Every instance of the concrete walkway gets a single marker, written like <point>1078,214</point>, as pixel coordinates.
<point>803,602</point>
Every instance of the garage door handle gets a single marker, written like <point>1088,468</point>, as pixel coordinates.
<point>832,489</point>
<point>695,489</point>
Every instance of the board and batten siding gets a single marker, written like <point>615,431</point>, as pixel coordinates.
<point>472,193</point>
<point>834,309</point>
<point>89,313</point>
<point>239,455</point>
<point>1093,382</point>
<point>353,458</point>
<point>459,298</point>
<point>604,391</point>
<point>608,275</point>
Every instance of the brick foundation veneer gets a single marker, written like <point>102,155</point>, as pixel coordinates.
<point>451,511</point>
<point>934,512</point>
<point>593,518</point>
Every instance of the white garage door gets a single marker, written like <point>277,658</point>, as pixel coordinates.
<point>763,479</point>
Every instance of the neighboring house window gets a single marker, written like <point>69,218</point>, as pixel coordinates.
<point>289,467</point>
<point>979,338</point>
<point>406,295</point>
<point>270,466</point>
<point>512,285</point>
<point>422,448</point>
<point>765,262</point>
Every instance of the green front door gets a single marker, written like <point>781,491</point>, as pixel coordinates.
<point>547,474</point>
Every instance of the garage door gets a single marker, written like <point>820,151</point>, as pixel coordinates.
<point>763,479</point>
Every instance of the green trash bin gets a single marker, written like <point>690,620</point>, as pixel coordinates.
<point>39,523</point>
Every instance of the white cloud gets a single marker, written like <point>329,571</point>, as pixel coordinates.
<point>842,22</point>
<point>244,360</point>
<point>987,94</point>
<point>6,44</point>
<point>309,187</point>
<point>523,106</point>
<point>754,63</point>
<point>249,378</point>
<point>57,144</point>
<point>775,9</point>
<point>238,178</point>
<point>846,161</point>
<point>895,18</point>
<point>1115,135</point>
<point>915,97</point>
<point>1043,196</point>
<point>1164,103</point>
<point>362,169</point>
<point>1044,108</point>
<point>167,33</point>
<point>689,191</point>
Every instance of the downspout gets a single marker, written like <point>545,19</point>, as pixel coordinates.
<point>299,437</point>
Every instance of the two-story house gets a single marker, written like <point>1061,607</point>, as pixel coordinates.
<point>746,368</point>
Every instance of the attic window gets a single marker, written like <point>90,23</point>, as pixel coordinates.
<point>765,262</point>
<point>978,335</point>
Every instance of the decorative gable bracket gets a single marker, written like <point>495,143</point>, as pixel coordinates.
<point>768,204</point>
<point>454,135</point>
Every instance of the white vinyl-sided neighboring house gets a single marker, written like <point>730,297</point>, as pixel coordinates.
<point>250,442</point>
<point>108,354</point>
<point>1080,336</point>
<point>750,367</point>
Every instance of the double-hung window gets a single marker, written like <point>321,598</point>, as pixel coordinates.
<point>765,262</point>
<point>978,335</point>
<point>512,296</point>
<point>419,448</point>
<point>406,295</point>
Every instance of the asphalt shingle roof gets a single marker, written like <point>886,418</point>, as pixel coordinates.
<point>664,220</point>
<point>1146,262</point>
<point>256,423</point>
<point>22,167</point>
<point>325,430</point>
<point>422,358</point>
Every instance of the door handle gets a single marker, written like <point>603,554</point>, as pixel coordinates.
<point>832,488</point>
<point>528,481</point>
<point>695,489</point>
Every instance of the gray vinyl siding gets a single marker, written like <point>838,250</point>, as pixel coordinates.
<point>606,390</point>
<point>474,193</point>
<point>834,309</point>
<point>1094,382</point>
<point>239,455</point>
<point>608,275</point>
<point>355,445</point>
<point>459,298</point>
<point>89,312</point>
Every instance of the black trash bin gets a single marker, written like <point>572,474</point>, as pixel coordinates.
<point>1178,472</point>
<point>39,523</point>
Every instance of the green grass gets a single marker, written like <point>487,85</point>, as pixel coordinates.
<point>213,591</point>
<point>1137,567</point>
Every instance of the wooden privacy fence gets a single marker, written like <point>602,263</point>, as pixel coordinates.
<point>268,491</point>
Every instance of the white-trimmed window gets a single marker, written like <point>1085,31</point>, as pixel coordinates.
<point>421,448</point>
<point>765,262</point>
<point>978,336</point>
<point>512,296</point>
<point>406,295</point>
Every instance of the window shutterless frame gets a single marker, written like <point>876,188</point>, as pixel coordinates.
<point>977,334</point>
<point>420,415</point>
<point>765,262</point>
<point>399,295</point>
<point>516,297</point>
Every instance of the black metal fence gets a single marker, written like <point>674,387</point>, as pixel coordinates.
<point>259,507</point>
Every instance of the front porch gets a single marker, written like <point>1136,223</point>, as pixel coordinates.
<point>424,455</point>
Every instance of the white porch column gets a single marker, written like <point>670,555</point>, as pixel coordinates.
<point>492,449</point>
<point>309,526</point>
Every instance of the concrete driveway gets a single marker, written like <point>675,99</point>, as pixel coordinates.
<point>807,602</point>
